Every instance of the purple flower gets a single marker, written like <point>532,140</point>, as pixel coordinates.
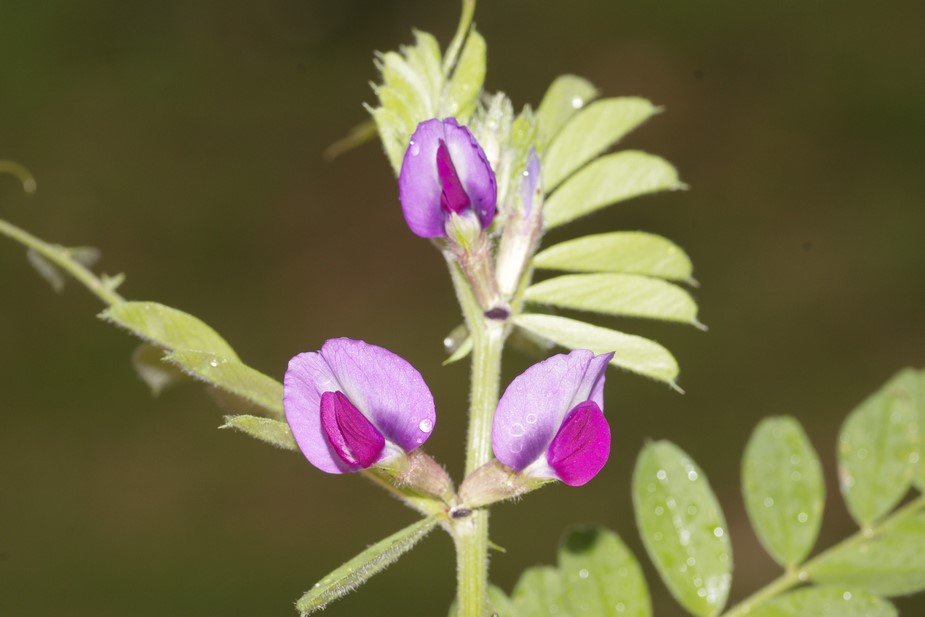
<point>353,405</point>
<point>445,172</point>
<point>549,422</point>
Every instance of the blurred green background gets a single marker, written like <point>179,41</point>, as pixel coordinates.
<point>184,139</point>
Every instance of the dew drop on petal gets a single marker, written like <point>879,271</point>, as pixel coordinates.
<point>213,362</point>
<point>718,532</point>
<point>583,573</point>
<point>691,475</point>
<point>802,517</point>
<point>768,502</point>
<point>661,474</point>
<point>426,426</point>
<point>577,102</point>
<point>531,418</point>
<point>516,430</point>
<point>846,595</point>
<point>415,148</point>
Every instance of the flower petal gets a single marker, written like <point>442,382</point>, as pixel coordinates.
<point>383,387</point>
<point>354,437</point>
<point>581,447</point>
<point>420,189</point>
<point>418,183</point>
<point>534,405</point>
<point>474,170</point>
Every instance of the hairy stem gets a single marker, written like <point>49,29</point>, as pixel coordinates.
<point>61,258</point>
<point>800,574</point>
<point>471,532</point>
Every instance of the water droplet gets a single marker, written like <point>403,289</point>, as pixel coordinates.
<point>426,425</point>
<point>661,474</point>
<point>684,537</point>
<point>657,536</point>
<point>583,573</point>
<point>213,362</point>
<point>768,502</point>
<point>659,510</point>
<point>702,592</point>
<point>802,517</point>
<point>691,475</point>
<point>691,510</point>
<point>577,102</point>
<point>671,503</point>
<point>531,418</point>
<point>517,447</point>
<point>415,148</point>
<point>516,430</point>
<point>846,596</point>
<point>691,562</point>
<point>914,457</point>
<point>867,532</point>
<point>620,607</point>
<point>795,476</point>
<point>526,173</point>
<point>794,459</point>
<point>803,575</point>
<point>719,532</point>
<point>862,453</point>
<point>650,487</point>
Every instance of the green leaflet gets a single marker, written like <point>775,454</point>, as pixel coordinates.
<point>683,528</point>
<point>270,431</point>
<point>589,132</point>
<point>826,602</point>
<point>606,181</point>
<point>912,382</point>
<point>565,96</point>
<point>462,91</point>
<point>890,563</point>
<point>877,450</point>
<point>784,489</point>
<point>232,376</point>
<point>633,353</point>
<point>148,362</point>
<point>629,252</point>
<point>364,566</point>
<point>601,577</point>
<point>464,349</point>
<point>412,83</point>
<point>540,593</point>
<point>168,328</point>
<point>629,295</point>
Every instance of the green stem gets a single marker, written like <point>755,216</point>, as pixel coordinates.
<point>800,574</point>
<point>59,256</point>
<point>465,22</point>
<point>471,532</point>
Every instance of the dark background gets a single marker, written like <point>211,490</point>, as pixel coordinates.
<point>184,139</point>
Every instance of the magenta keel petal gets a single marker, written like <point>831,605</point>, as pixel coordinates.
<point>352,436</point>
<point>581,447</point>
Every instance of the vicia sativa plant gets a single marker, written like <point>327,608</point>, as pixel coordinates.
<point>483,183</point>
